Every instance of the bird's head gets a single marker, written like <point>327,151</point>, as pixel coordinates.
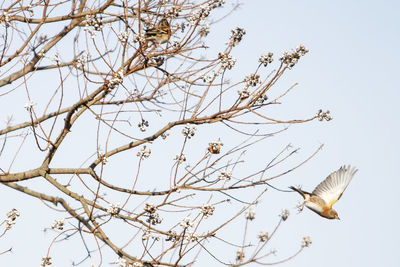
<point>332,214</point>
<point>163,23</point>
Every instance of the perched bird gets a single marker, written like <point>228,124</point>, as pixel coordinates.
<point>160,33</point>
<point>327,192</point>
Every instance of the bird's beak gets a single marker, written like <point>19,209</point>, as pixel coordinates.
<point>338,218</point>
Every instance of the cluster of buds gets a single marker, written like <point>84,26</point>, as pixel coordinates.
<point>252,80</point>
<point>306,241</point>
<point>116,80</point>
<point>186,223</point>
<point>201,14</point>
<point>143,125</point>
<point>58,224</point>
<point>104,159</point>
<point>137,264</point>
<point>207,210</point>
<point>323,115</point>
<point>204,30</point>
<point>176,45</point>
<point>239,255</point>
<point>266,59</point>
<point>237,35</point>
<point>173,12</point>
<point>291,59</point>
<point>95,22</point>
<point>284,214</point>
<point>181,26</point>
<point>46,261</point>
<point>263,236</point>
<point>11,218</point>
<point>191,236</point>
<point>227,61</point>
<point>124,263</point>
<point>172,236</point>
<point>262,99</point>
<point>225,175</point>
<point>139,38</point>
<point>114,210</point>
<point>188,131</point>
<point>154,218</point>
<point>144,153</point>
<point>205,10</point>
<point>180,158</point>
<point>82,60</point>
<point>28,106</point>
<point>215,147</point>
<point>251,214</point>
<point>217,3</point>
<point>150,208</point>
<point>164,135</point>
<point>244,93</point>
<point>158,61</point>
<point>121,262</point>
<point>207,78</point>
<point>123,36</point>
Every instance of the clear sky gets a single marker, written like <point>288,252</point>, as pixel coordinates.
<point>353,70</point>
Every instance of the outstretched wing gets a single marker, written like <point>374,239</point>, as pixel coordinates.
<point>332,188</point>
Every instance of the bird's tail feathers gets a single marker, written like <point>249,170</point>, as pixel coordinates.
<point>301,192</point>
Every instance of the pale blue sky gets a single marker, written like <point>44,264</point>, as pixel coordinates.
<point>352,70</point>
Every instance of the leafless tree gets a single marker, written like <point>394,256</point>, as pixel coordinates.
<point>120,101</point>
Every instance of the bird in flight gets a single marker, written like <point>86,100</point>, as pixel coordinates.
<point>328,192</point>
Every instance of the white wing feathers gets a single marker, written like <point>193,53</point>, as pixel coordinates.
<point>331,189</point>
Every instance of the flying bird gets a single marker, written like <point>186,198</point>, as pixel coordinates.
<point>160,33</point>
<point>328,192</point>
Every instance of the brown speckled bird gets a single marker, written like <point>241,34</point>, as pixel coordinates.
<point>160,33</point>
<point>328,192</point>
